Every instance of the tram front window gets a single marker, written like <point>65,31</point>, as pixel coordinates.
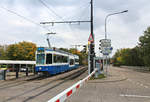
<point>40,59</point>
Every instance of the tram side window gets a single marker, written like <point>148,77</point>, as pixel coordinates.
<point>60,59</point>
<point>56,59</point>
<point>76,60</point>
<point>65,59</point>
<point>48,58</point>
<point>71,61</point>
<point>40,58</point>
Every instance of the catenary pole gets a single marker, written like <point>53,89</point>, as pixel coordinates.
<point>92,55</point>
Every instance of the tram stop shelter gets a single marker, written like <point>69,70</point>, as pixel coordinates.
<point>15,66</point>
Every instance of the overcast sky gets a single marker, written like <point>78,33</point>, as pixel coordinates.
<point>123,29</point>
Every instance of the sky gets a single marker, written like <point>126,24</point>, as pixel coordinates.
<point>20,21</point>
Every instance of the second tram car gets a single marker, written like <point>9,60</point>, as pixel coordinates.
<point>52,61</point>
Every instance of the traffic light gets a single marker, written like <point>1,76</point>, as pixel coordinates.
<point>85,48</point>
<point>100,46</point>
<point>92,49</point>
<point>92,53</point>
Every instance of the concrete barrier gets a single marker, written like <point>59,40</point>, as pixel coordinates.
<point>68,92</point>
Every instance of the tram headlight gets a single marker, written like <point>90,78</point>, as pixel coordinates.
<point>40,68</point>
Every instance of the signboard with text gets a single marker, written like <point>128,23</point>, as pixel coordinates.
<point>105,46</point>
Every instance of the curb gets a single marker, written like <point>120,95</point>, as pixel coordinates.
<point>111,78</point>
<point>107,81</point>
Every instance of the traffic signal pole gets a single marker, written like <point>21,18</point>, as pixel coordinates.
<point>92,44</point>
<point>92,18</point>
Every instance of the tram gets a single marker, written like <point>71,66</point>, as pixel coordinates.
<point>52,61</point>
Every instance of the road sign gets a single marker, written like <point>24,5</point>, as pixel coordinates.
<point>91,39</point>
<point>105,43</point>
<point>105,46</point>
<point>106,51</point>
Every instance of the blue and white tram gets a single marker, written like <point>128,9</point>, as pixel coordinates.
<point>52,61</point>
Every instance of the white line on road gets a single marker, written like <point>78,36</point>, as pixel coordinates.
<point>146,86</point>
<point>129,79</point>
<point>137,96</point>
<point>141,84</point>
<point>138,83</point>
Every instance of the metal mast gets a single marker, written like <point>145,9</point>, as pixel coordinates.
<point>92,52</point>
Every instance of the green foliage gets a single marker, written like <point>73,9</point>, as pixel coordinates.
<point>64,49</point>
<point>3,54</point>
<point>21,51</point>
<point>145,46</point>
<point>137,56</point>
<point>127,56</point>
<point>100,76</point>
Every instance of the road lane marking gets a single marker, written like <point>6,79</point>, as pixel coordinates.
<point>141,84</point>
<point>138,83</point>
<point>136,96</point>
<point>129,79</point>
<point>146,86</point>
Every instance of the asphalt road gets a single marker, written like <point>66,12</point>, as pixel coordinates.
<point>121,85</point>
<point>40,89</point>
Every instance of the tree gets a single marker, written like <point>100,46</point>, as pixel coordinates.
<point>64,49</point>
<point>137,56</point>
<point>21,51</point>
<point>145,46</point>
<point>128,56</point>
<point>2,54</point>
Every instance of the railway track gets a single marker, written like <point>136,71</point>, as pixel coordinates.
<point>21,81</point>
<point>48,84</point>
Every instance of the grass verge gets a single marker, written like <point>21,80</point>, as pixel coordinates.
<point>101,76</point>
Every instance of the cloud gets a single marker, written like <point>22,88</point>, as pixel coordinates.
<point>123,29</point>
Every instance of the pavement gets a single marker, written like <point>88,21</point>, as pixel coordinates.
<point>121,85</point>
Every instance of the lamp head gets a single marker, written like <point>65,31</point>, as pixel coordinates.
<point>124,11</point>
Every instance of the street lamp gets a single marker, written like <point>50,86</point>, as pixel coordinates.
<point>106,31</point>
<point>111,15</point>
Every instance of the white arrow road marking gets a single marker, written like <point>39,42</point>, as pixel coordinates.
<point>137,96</point>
